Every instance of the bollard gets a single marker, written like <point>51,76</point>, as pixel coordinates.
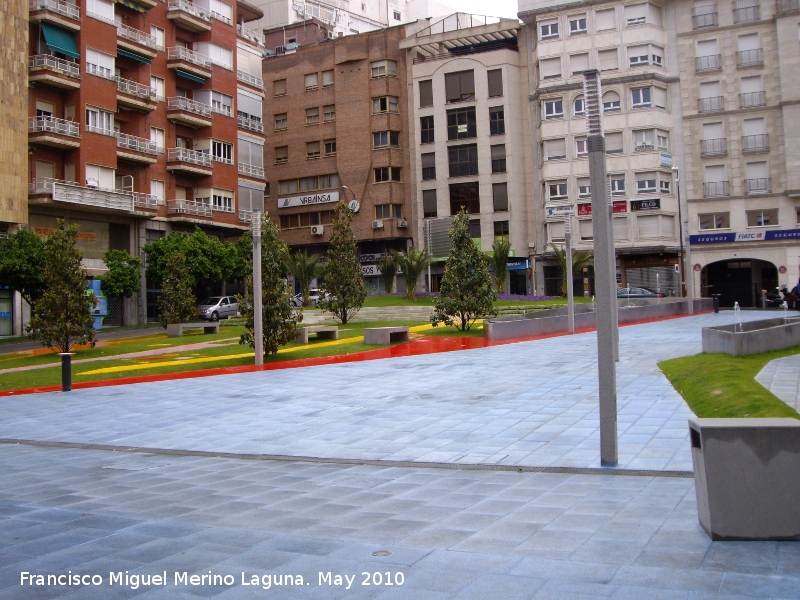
<point>66,371</point>
<point>716,302</point>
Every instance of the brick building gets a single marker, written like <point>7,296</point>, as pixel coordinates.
<point>144,118</point>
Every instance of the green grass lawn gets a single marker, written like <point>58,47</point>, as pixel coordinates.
<point>397,300</point>
<point>724,386</point>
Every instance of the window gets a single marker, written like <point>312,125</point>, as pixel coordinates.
<point>384,139</point>
<point>461,123</point>
<point>426,130</point>
<point>755,137</point>
<point>384,174</point>
<point>466,196</point>
<point>250,151</point>
<point>396,15</point>
<point>646,183</point>
<point>312,150</point>
<point>555,149</point>
<point>282,156</point>
<point>548,29</point>
<point>463,160</point>
<point>281,121</point>
<point>100,8</point>
<point>657,55</point>
<point>330,147</point>
<point>581,147</point>
<point>614,143</point>
<point>500,200</point>
<point>757,178</point>
<point>752,92</point>
<point>605,19</point>
<point>638,56</point>
<point>99,63</point>
<point>279,87</point>
<point>429,204</point>
<point>578,106</point>
<point>716,181</point>
<point>585,230</point>
<point>100,177</point>
<point>550,68</point>
<point>577,24</point>
<point>641,97</point>
<point>158,138</point>
<point>311,81</point>
<point>383,68</point>
<point>99,121</point>
<point>389,211</point>
<point>459,86</point>
<point>555,231</point>
<point>329,113</point>
<point>719,220</point>
<point>425,93</point>
<point>584,187</point>
<point>305,184</point>
<point>639,14</point>
<point>251,196</point>
<point>222,57</point>
<point>220,151</point>
<point>157,85</point>
<point>475,229</point>
<point>659,97</point>
<point>312,116</point>
<point>608,60</point>
<point>501,230</point>
<point>384,104</point>
<point>656,226</point>
<point>650,139</point>
<point>248,60</point>
<point>579,63</point>
<point>248,105</point>
<point>762,217</point>
<point>220,103</point>
<point>158,189</point>
<point>553,109</point>
<point>222,200</point>
<point>617,185</point>
<point>428,166</point>
<point>497,122</point>
<point>158,34</point>
<point>498,158</point>
<point>495,77</point>
<point>557,190</point>
<point>45,109</point>
<point>327,78</point>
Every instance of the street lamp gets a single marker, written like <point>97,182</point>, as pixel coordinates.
<point>684,258</point>
<point>258,327</point>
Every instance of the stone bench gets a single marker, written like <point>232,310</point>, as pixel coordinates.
<point>385,335</point>
<point>177,329</point>
<point>330,332</point>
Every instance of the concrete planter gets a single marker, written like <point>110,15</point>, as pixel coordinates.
<point>747,477</point>
<point>755,337</point>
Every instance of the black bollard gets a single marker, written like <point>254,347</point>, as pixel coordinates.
<point>716,302</point>
<point>66,371</point>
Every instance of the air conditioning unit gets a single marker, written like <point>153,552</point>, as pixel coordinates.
<point>402,223</point>
<point>644,147</point>
<point>377,224</point>
<point>331,35</point>
<point>91,182</point>
<point>317,230</point>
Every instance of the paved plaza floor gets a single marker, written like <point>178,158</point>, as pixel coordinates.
<point>468,525</point>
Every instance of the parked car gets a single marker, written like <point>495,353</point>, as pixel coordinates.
<point>637,292</point>
<point>218,307</point>
<point>314,296</point>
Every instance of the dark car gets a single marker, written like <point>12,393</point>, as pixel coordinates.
<point>637,292</point>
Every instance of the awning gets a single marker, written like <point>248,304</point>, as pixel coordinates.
<point>134,56</point>
<point>189,76</point>
<point>60,40</point>
<point>133,5</point>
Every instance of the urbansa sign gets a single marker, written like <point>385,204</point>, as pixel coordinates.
<point>308,199</point>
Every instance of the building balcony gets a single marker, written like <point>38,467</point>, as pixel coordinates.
<point>251,171</point>
<point>101,130</point>
<point>59,12</point>
<point>188,15</point>
<point>256,82</point>
<point>760,185</point>
<point>717,147</point>
<point>252,36</point>
<point>189,207</point>
<point>47,191</point>
<point>56,133</point>
<point>132,94</point>
<point>746,14</point>
<point>704,64</point>
<point>54,72</point>
<point>137,41</point>
<point>712,104</point>
<point>188,112</point>
<point>715,188</point>
<point>788,5</point>
<point>189,61</point>
<point>250,124</point>
<point>705,16</point>
<point>752,99</point>
<point>245,216</point>
<point>750,58</point>
<point>189,162</point>
<point>136,149</point>
<point>754,144</point>
<point>144,201</point>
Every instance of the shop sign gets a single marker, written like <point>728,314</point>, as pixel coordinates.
<point>666,159</point>
<point>649,204</point>
<point>618,206</point>
<point>559,211</point>
<point>747,236</point>
<point>370,270</point>
<point>517,264</point>
<point>5,314</point>
<point>84,236</point>
<point>308,199</point>
<point>371,258</point>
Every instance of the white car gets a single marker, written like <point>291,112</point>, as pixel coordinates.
<point>314,296</point>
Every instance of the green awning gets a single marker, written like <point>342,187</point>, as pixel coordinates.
<point>134,56</point>
<point>60,40</point>
<point>189,76</point>
<point>133,5</point>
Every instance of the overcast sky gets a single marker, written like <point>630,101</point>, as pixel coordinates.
<point>496,8</point>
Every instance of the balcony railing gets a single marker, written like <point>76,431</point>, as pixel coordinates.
<point>788,5</point>
<point>750,58</point>
<point>757,186</point>
<point>705,16</point>
<point>189,207</point>
<point>250,79</point>
<point>100,130</point>
<point>712,62</point>
<point>54,125</point>
<point>715,188</point>
<point>100,71</point>
<point>221,17</point>
<point>131,142</point>
<point>751,99</point>
<point>711,104</point>
<point>58,6</point>
<point>181,103</point>
<point>135,89</point>
<point>746,14</point>
<point>245,216</point>
<point>55,64</point>
<point>64,191</point>
<point>755,143</point>
<point>142,200</point>
<point>181,53</point>
<point>250,35</point>
<point>191,8</point>
<point>716,147</point>
<point>140,37</point>
<point>250,123</point>
<point>194,157</point>
<point>251,170</point>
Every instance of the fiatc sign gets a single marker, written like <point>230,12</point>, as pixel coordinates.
<point>308,199</point>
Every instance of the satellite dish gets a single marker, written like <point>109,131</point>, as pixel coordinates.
<point>354,205</point>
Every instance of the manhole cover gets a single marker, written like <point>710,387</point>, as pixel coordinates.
<point>382,553</point>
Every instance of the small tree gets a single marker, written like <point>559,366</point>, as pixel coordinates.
<point>177,303</point>
<point>62,317</point>
<point>466,292</point>
<point>122,280</point>
<point>413,264</point>
<point>499,262</point>
<point>344,282</point>
<point>388,266</point>
<point>305,268</point>
<point>279,323</point>
<point>22,264</point>
<point>580,259</point>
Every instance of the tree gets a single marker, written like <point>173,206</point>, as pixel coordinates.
<point>413,264</point>
<point>22,263</point>
<point>580,259</point>
<point>305,268</point>
<point>177,303</point>
<point>279,323</point>
<point>344,283</point>
<point>388,266</point>
<point>122,278</point>
<point>466,292</point>
<point>499,262</point>
<point>206,258</point>
<point>62,317</point>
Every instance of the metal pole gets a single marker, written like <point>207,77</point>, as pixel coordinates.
<point>604,281</point>
<point>258,316</point>
<point>687,273</point>
<point>570,291</point>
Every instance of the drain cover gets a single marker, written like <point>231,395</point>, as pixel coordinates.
<point>382,553</point>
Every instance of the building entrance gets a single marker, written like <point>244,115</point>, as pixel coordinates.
<point>739,280</point>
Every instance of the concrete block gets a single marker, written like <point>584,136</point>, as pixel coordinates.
<point>754,337</point>
<point>177,329</point>
<point>385,335</point>
<point>330,332</point>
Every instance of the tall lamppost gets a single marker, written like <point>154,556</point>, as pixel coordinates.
<point>568,265</point>
<point>258,316</point>
<point>687,276</point>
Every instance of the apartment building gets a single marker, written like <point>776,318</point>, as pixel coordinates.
<point>739,63</point>
<point>631,45</point>
<point>144,118</point>
<point>468,130</point>
<point>337,111</point>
